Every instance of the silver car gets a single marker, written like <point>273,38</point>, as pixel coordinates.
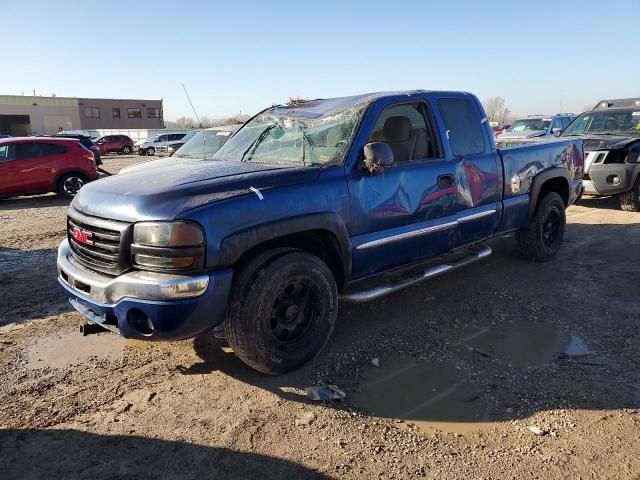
<point>151,145</point>
<point>534,127</point>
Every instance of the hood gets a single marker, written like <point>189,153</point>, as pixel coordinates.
<point>163,192</point>
<point>529,134</point>
<point>162,162</point>
<point>605,142</point>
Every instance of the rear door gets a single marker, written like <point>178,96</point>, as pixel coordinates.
<point>8,169</point>
<point>476,166</point>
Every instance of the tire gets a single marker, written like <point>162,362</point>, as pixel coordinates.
<point>151,151</point>
<point>282,310</point>
<point>126,150</point>
<point>70,183</point>
<point>630,201</point>
<point>542,239</point>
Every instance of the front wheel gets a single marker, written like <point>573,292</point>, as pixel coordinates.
<point>630,201</point>
<point>543,237</point>
<point>70,184</point>
<point>282,310</point>
<point>151,151</point>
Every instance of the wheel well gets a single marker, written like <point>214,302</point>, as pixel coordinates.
<point>558,185</point>
<point>321,243</point>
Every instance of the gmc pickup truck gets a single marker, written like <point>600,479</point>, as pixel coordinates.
<point>347,198</point>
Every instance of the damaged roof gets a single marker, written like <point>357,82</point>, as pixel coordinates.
<point>330,106</point>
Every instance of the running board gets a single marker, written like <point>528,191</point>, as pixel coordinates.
<point>377,292</point>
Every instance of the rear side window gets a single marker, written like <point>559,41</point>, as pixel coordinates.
<point>26,151</point>
<point>463,126</point>
<point>6,153</point>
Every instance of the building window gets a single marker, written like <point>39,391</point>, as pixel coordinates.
<point>91,112</point>
<point>153,113</point>
<point>116,112</point>
<point>134,113</point>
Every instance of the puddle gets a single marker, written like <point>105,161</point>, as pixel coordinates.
<point>64,350</point>
<point>521,344</point>
<point>438,396</point>
<point>433,397</point>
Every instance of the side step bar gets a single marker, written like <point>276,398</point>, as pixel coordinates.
<point>377,292</point>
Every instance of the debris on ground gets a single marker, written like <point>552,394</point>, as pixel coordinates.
<point>305,419</point>
<point>325,392</point>
<point>536,430</point>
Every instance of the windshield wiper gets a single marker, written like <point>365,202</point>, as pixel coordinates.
<point>254,145</point>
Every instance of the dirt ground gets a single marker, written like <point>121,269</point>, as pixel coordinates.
<point>505,369</point>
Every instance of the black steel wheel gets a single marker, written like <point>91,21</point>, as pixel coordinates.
<point>543,237</point>
<point>283,307</point>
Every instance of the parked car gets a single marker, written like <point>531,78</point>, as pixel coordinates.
<point>534,126</point>
<point>305,204</point>
<point>203,144</point>
<point>86,142</point>
<point>115,144</point>
<point>500,129</point>
<point>151,144</point>
<point>611,136</point>
<point>30,165</point>
<point>170,147</point>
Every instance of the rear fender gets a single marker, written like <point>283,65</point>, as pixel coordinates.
<point>560,179</point>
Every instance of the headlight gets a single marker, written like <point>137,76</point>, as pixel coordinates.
<point>168,246</point>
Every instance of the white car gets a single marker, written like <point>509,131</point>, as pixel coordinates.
<point>150,145</point>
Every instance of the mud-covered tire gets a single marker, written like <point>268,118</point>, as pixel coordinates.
<point>282,310</point>
<point>541,240</point>
<point>630,201</point>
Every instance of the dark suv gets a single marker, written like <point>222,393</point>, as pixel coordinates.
<point>115,144</point>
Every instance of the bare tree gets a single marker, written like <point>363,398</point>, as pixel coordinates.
<point>494,107</point>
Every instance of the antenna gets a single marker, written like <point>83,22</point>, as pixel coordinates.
<point>192,108</point>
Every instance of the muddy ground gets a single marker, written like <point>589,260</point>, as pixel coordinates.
<point>506,369</point>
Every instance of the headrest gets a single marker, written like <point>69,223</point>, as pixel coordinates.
<point>397,129</point>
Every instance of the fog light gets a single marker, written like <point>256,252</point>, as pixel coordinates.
<point>613,180</point>
<point>140,322</point>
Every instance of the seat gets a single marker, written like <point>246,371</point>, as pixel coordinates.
<point>407,143</point>
<point>398,133</point>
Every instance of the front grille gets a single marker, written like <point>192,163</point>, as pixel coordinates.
<point>106,244</point>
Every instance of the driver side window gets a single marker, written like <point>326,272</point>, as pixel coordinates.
<point>406,129</point>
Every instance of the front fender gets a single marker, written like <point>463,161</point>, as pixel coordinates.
<point>235,245</point>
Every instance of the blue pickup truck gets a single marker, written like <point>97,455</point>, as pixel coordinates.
<point>311,202</point>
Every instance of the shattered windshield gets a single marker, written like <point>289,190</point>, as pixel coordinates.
<point>282,139</point>
<point>203,144</point>
<point>531,125</point>
<point>625,122</point>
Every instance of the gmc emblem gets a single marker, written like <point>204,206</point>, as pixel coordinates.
<point>82,236</point>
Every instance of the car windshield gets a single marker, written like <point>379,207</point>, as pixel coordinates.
<point>621,122</point>
<point>529,125</point>
<point>282,139</point>
<point>203,144</point>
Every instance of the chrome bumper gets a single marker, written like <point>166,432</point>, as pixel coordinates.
<point>136,285</point>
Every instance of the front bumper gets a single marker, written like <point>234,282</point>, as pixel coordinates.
<point>176,306</point>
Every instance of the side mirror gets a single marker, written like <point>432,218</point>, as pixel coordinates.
<point>557,131</point>
<point>377,156</point>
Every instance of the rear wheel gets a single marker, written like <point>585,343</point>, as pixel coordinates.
<point>542,239</point>
<point>630,201</point>
<point>70,184</point>
<point>282,310</point>
<point>126,150</point>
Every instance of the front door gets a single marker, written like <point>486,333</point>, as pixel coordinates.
<point>407,211</point>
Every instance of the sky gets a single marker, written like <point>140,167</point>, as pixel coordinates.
<point>237,56</point>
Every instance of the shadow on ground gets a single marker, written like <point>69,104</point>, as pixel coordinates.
<point>57,454</point>
<point>37,201</point>
<point>29,286</point>
<point>534,315</point>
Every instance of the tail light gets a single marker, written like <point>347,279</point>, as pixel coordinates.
<point>86,153</point>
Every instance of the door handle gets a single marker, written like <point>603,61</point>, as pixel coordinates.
<point>446,181</point>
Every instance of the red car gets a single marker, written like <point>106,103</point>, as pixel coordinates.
<point>31,165</point>
<point>115,144</point>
